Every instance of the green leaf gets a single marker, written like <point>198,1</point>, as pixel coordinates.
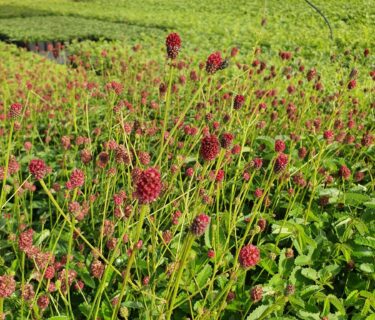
<point>310,289</point>
<point>370,204</point>
<point>366,308</point>
<point>207,238</point>
<point>352,198</point>
<point>285,264</point>
<point>42,236</point>
<point>257,313</point>
<point>331,192</point>
<point>310,273</point>
<point>85,309</point>
<point>308,315</point>
<point>293,276</point>
<point>367,267</point>
<point>351,298</point>
<point>59,318</point>
<point>337,303</point>
<point>87,278</point>
<point>302,260</point>
<point>326,306</point>
<point>296,301</point>
<point>204,275</point>
<point>365,241</point>
<point>360,226</point>
<point>222,281</point>
<point>133,304</point>
<point>268,141</point>
<point>268,265</point>
<point>106,310</point>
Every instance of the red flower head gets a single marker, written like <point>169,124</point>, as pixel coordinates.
<point>344,172</point>
<point>258,163</point>
<point>173,43</point>
<point>25,240</point>
<point>328,135</point>
<point>256,293</point>
<point>200,224</point>
<point>239,100</point>
<point>210,147</point>
<point>249,256</point>
<point>7,286</point>
<point>15,110</point>
<point>281,162</point>
<point>214,62</point>
<point>38,168</point>
<point>352,84</point>
<point>148,185</point>
<point>226,140</point>
<point>43,302</point>
<point>279,145</point>
<point>77,178</point>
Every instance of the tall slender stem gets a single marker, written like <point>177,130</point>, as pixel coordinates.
<point>171,300</point>
<point>144,210</point>
<point>6,165</point>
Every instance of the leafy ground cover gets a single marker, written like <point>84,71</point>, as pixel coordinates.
<point>232,185</point>
<point>207,24</point>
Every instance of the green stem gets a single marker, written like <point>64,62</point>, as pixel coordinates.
<point>76,231</point>
<point>1,306</point>
<point>167,104</point>
<point>189,242</point>
<point>144,210</point>
<point>6,164</point>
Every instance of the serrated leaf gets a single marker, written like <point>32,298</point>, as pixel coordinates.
<point>293,278</point>
<point>337,303</point>
<point>133,304</point>
<point>257,313</point>
<point>310,273</point>
<point>365,308</point>
<point>326,306</point>
<point>268,265</point>
<point>370,204</point>
<point>42,236</point>
<point>352,198</point>
<point>296,301</point>
<point>302,260</point>
<point>365,241</point>
<point>308,315</point>
<point>366,294</point>
<point>106,310</point>
<point>310,289</point>
<point>360,226</point>
<point>222,281</point>
<point>87,278</point>
<point>331,192</point>
<point>204,275</point>
<point>367,267</point>
<point>352,297</point>
<point>281,318</point>
<point>85,309</point>
<point>268,141</point>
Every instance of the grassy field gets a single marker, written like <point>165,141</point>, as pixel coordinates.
<point>227,176</point>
